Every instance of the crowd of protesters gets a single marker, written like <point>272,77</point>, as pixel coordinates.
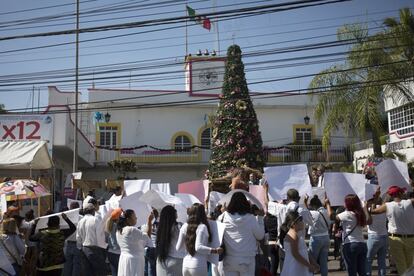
<point>289,239</point>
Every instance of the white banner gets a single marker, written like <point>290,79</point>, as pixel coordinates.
<point>3,204</point>
<point>133,186</point>
<point>187,199</point>
<point>162,187</point>
<point>27,127</point>
<point>318,191</point>
<point>142,210</point>
<point>73,215</point>
<point>69,202</point>
<point>253,200</point>
<point>283,178</point>
<point>159,200</point>
<point>213,200</point>
<point>338,185</point>
<point>391,172</point>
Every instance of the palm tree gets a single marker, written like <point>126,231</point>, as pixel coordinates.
<point>399,46</point>
<point>352,94</point>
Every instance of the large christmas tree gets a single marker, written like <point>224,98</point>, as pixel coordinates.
<point>236,139</point>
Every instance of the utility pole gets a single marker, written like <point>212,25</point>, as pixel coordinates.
<point>75,131</point>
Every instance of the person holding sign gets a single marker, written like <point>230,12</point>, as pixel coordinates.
<point>51,242</point>
<point>319,233</point>
<point>132,241</point>
<point>353,220</point>
<point>400,214</point>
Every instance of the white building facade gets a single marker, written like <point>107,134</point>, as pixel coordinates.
<point>400,115</point>
<point>161,129</point>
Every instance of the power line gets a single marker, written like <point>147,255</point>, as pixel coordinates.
<point>172,20</point>
<point>250,83</point>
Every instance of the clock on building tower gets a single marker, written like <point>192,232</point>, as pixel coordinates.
<point>204,75</point>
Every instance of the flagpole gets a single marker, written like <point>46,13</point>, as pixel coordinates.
<point>186,31</point>
<point>217,27</point>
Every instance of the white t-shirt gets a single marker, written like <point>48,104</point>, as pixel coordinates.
<point>320,223</point>
<point>378,225</point>
<point>348,220</point>
<point>280,210</point>
<point>400,217</point>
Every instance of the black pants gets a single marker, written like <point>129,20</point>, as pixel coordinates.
<point>93,261</point>
<point>54,272</point>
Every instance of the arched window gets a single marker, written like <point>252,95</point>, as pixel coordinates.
<point>206,138</point>
<point>182,142</point>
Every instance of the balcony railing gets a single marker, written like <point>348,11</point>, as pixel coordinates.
<point>286,154</point>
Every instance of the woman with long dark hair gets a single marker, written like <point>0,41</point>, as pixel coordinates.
<point>354,248</point>
<point>242,231</point>
<point>132,243</point>
<point>297,260</point>
<point>169,260</point>
<point>195,236</point>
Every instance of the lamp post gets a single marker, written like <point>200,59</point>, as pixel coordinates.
<point>107,117</point>
<point>306,119</point>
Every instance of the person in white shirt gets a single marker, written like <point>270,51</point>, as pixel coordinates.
<point>87,233</point>
<point>377,238</point>
<point>292,204</point>
<point>400,214</point>
<point>242,231</point>
<point>132,242</point>
<point>194,237</point>
<point>319,233</point>
<point>169,260</point>
<point>353,220</point>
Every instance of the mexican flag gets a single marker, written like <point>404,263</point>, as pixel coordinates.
<point>202,20</point>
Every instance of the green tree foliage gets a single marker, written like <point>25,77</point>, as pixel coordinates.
<point>352,93</point>
<point>236,139</point>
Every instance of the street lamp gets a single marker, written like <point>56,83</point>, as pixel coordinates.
<point>306,119</point>
<point>107,117</point>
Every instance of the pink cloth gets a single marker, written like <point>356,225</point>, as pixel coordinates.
<point>195,187</point>
<point>258,192</point>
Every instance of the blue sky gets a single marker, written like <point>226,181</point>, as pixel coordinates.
<point>277,30</point>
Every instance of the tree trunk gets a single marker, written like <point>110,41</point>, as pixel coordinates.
<point>376,144</point>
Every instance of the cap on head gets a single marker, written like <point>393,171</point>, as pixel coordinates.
<point>394,191</point>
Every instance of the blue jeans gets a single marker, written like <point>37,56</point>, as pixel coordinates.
<point>377,245</point>
<point>355,255</point>
<point>72,265</point>
<point>319,249</point>
<point>150,262</point>
<point>113,259</point>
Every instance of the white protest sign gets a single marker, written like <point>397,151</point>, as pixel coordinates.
<point>158,199</point>
<point>338,185</point>
<point>73,215</point>
<point>181,212</point>
<point>316,191</point>
<point>214,199</point>
<point>370,190</point>
<point>391,172</point>
<point>142,210</point>
<point>187,199</point>
<point>133,186</point>
<point>70,201</point>
<point>253,200</point>
<point>162,187</point>
<point>283,178</point>
<point>113,201</point>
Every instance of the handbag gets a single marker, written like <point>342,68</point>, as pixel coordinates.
<point>262,267</point>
